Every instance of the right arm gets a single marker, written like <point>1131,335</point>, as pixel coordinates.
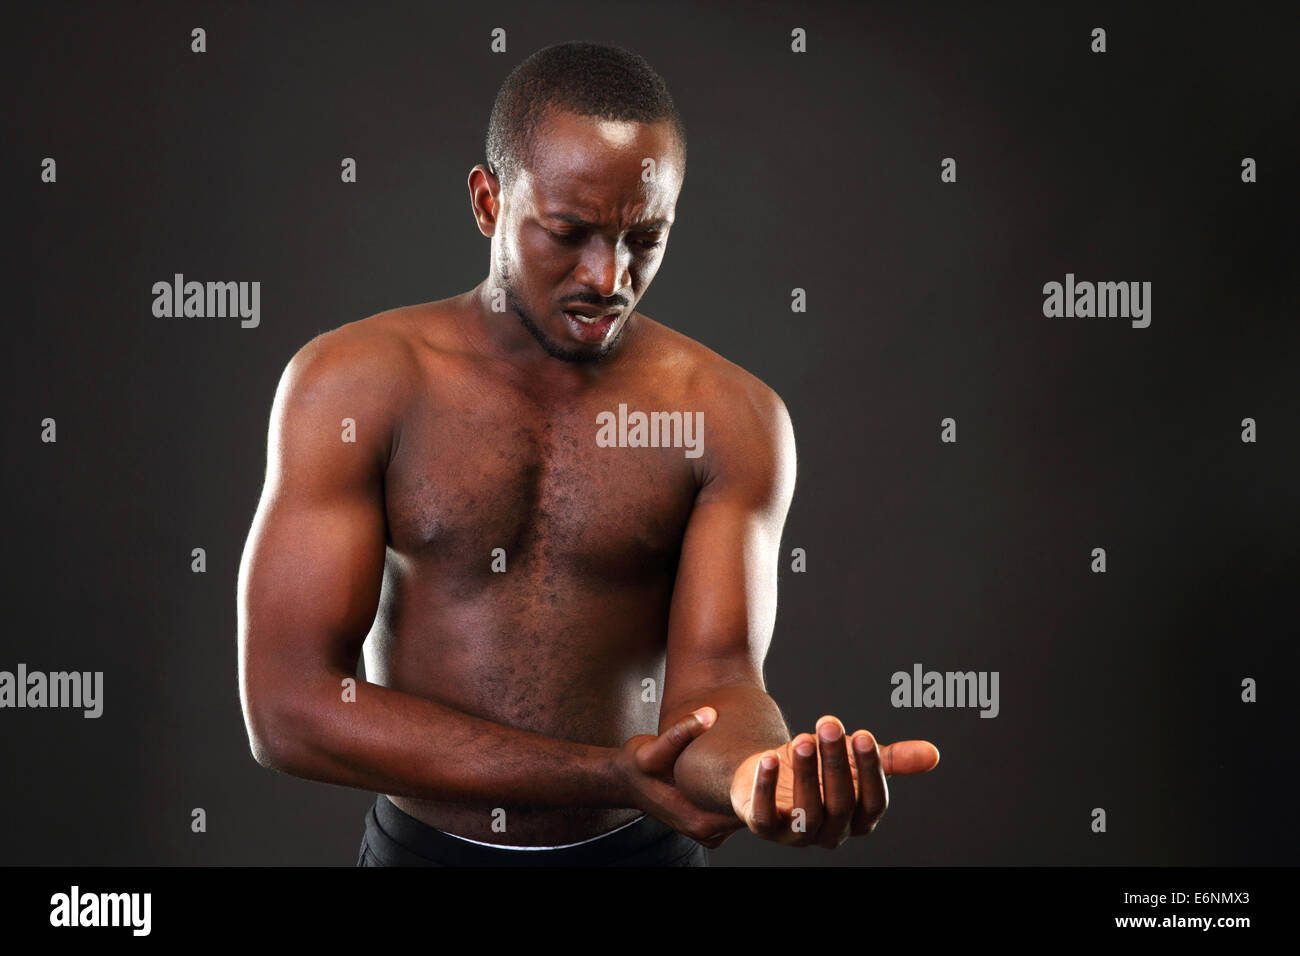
<point>309,586</point>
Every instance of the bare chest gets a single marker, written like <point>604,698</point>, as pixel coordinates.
<point>480,486</point>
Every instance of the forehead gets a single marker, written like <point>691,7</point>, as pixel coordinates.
<point>585,161</point>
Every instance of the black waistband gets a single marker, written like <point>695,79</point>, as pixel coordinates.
<point>398,839</point>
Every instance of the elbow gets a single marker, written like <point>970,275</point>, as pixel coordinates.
<point>268,750</point>
<point>272,736</point>
<point>288,727</point>
<point>264,753</point>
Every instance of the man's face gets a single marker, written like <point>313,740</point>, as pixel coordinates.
<point>581,233</point>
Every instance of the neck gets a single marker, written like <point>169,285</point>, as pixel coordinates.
<point>502,337</point>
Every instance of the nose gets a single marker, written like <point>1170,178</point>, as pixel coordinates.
<point>604,268</point>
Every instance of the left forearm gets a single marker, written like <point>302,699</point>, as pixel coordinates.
<point>748,721</point>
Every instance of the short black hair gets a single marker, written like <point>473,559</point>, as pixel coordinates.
<point>589,79</point>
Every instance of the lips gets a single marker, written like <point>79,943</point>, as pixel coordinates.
<point>588,325</point>
<point>588,314</point>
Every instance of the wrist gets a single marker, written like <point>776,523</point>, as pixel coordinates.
<point>742,781</point>
<point>615,773</point>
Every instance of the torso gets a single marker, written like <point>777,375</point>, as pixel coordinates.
<point>562,640</point>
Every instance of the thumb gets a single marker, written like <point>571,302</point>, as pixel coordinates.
<point>660,754</point>
<point>909,756</point>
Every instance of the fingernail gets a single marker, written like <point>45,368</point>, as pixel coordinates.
<point>805,749</point>
<point>862,743</point>
<point>769,762</point>
<point>706,716</point>
<point>829,731</point>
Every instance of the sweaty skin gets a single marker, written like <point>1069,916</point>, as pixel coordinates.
<point>407,448</point>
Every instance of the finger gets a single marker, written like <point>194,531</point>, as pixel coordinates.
<point>909,756</point>
<point>838,795</point>
<point>763,818</point>
<point>660,754</point>
<point>807,789</point>
<point>873,792</point>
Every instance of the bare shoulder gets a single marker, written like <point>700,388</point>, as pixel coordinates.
<point>748,438</point>
<point>738,399</point>
<point>371,362</point>
<point>355,379</point>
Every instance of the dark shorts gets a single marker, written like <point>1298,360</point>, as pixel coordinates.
<point>395,838</point>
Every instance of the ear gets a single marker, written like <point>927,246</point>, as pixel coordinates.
<point>485,198</point>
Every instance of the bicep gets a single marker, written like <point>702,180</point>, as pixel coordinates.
<point>312,568</point>
<point>725,596</point>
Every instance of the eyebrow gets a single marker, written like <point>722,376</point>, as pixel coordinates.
<point>579,221</point>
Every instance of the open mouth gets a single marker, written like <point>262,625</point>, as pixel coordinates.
<point>590,328</point>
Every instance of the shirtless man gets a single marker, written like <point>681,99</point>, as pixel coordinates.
<point>564,640</point>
